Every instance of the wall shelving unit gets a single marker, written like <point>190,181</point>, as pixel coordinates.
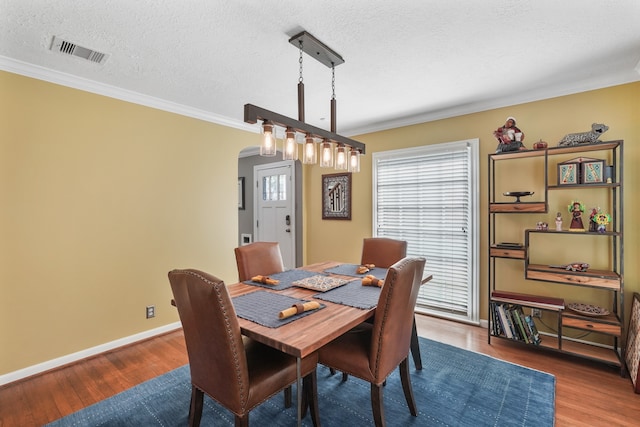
<point>607,283</point>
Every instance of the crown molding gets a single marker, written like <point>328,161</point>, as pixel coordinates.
<point>75,82</point>
<point>523,97</point>
<point>538,94</point>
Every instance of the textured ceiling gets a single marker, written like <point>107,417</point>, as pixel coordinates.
<point>406,61</point>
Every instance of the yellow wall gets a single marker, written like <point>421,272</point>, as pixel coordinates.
<point>101,198</point>
<point>549,120</point>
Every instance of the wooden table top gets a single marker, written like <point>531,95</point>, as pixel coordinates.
<point>307,334</point>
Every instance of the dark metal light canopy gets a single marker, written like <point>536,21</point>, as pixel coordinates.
<point>322,53</point>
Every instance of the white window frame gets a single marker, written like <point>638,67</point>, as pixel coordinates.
<point>471,147</point>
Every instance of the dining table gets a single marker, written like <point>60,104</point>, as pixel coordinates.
<point>306,334</point>
<point>340,309</point>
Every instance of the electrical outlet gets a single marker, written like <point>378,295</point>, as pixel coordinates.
<point>151,311</point>
<point>536,312</point>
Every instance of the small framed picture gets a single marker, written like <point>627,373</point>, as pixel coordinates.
<point>336,196</point>
<point>592,171</point>
<point>241,193</point>
<point>568,173</point>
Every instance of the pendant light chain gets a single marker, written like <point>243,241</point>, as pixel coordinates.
<point>300,87</point>
<point>333,81</point>
<point>333,98</point>
<point>300,61</point>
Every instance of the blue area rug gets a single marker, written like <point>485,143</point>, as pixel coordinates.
<point>455,388</point>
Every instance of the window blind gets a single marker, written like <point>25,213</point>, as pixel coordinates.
<point>427,196</point>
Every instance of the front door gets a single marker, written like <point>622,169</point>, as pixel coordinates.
<point>274,202</point>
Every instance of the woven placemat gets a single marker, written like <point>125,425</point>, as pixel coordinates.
<point>263,307</point>
<point>353,294</point>
<point>350,270</point>
<point>286,278</point>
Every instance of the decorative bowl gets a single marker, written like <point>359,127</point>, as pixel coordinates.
<point>518,194</point>
<point>587,309</point>
<point>540,145</point>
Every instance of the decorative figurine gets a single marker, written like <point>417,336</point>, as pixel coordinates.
<point>559,222</point>
<point>593,225</point>
<point>574,266</point>
<point>576,208</point>
<point>597,129</point>
<point>602,219</point>
<point>509,137</point>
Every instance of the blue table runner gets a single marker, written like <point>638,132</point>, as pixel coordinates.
<point>350,270</point>
<point>286,279</point>
<point>352,294</point>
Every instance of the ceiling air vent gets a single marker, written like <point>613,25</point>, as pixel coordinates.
<point>69,48</point>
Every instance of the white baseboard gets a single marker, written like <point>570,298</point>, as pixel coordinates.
<point>74,357</point>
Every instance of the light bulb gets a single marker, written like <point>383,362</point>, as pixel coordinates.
<point>341,157</point>
<point>268,146</point>
<point>290,149</point>
<point>354,160</point>
<point>309,157</point>
<point>326,154</point>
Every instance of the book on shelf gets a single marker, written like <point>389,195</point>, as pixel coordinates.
<point>507,324</point>
<point>508,245</point>
<point>518,318</point>
<point>535,335</point>
<point>518,298</point>
<point>509,321</point>
<point>495,321</point>
<point>502,321</point>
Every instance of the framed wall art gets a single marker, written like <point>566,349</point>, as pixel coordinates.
<point>632,353</point>
<point>336,196</point>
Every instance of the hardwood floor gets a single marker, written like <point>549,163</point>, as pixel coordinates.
<point>587,394</point>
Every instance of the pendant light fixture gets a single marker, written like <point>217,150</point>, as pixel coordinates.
<point>345,147</point>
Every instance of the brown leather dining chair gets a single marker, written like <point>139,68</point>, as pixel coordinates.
<point>372,351</point>
<point>262,258</point>
<point>384,252</point>
<point>238,373</point>
<point>258,258</point>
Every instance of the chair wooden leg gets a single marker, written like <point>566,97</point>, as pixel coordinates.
<point>287,397</point>
<point>415,346</point>
<point>195,408</point>
<point>344,376</point>
<point>376,405</point>
<point>406,386</point>
<point>242,421</point>
<point>310,391</point>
